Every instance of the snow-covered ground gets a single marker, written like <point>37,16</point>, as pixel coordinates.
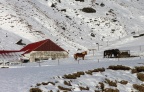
<point>116,24</point>
<point>65,23</point>
<point>20,78</point>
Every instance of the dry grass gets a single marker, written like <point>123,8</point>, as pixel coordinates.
<point>73,76</point>
<point>140,76</point>
<point>95,70</point>
<point>83,88</point>
<point>52,83</point>
<point>102,86</point>
<point>64,88</point>
<point>111,83</point>
<point>88,10</point>
<point>99,70</point>
<point>119,67</point>
<point>123,82</point>
<point>35,90</point>
<point>44,83</point>
<point>89,72</point>
<point>69,76</point>
<point>140,88</point>
<point>138,69</point>
<point>38,84</point>
<point>111,90</point>
<point>67,83</point>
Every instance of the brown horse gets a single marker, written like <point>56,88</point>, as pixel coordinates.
<point>82,55</point>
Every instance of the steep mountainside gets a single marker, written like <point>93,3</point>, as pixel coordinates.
<point>73,24</point>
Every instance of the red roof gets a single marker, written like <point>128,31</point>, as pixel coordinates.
<point>44,45</point>
<point>8,51</point>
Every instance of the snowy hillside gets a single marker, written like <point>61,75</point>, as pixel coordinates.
<point>68,25</point>
<point>75,25</point>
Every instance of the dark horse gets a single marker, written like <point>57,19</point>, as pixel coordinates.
<point>82,55</point>
<point>111,53</point>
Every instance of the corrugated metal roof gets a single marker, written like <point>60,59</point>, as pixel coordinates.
<point>44,45</point>
<point>8,51</point>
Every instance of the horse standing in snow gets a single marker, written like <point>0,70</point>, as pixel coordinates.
<point>82,55</point>
<point>115,53</point>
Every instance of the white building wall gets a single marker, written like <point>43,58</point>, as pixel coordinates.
<point>46,55</point>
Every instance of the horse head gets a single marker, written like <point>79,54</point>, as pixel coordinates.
<point>85,52</point>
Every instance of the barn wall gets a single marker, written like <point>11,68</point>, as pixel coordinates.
<point>46,55</point>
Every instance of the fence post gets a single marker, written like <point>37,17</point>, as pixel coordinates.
<point>39,62</point>
<point>58,61</point>
<point>107,43</point>
<point>98,46</point>
<point>140,48</point>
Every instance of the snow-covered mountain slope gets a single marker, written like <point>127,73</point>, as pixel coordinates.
<point>114,23</point>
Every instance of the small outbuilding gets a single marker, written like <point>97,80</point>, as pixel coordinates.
<point>8,57</point>
<point>43,50</point>
<point>124,53</point>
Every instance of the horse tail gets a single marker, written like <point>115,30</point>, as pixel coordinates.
<point>104,54</point>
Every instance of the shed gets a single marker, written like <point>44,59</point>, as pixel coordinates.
<point>124,53</point>
<point>7,56</point>
<point>44,49</point>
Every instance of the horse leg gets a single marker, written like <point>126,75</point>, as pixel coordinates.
<point>75,58</point>
<point>111,55</point>
<point>83,58</point>
<point>108,55</point>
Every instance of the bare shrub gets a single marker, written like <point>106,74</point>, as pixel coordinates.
<point>95,70</point>
<point>52,83</point>
<point>69,76</point>
<point>63,88</point>
<point>111,90</point>
<point>140,88</point>
<point>140,76</point>
<point>67,83</point>
<point>44,83</point>
<point>134,71</point>
<point>138,69</point>
<point>102,4</point>
<point>96,91</point>
<point>119,67</point>
<point>83,88</point>
<point>80,0</point>
<point>123,82</point>
<point>111,83</point>
<point>35,90</point>
<point>99,70</point>
<point>88,72</point>
<point>38,84</point>
<point>80,73</point>
<point>88,10</point>
<point>102,86</point>
<point>74,75</point>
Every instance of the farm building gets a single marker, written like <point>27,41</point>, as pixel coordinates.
<point>44,49</point>
<point>9,56</point>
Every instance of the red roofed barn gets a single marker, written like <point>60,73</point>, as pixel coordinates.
<point>43,50</point>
